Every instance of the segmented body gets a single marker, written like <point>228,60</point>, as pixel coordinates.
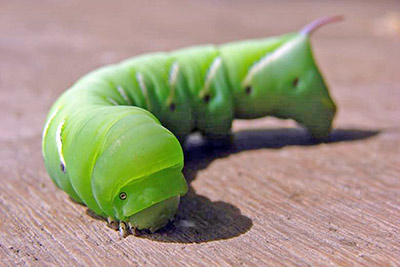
<point>113,127</point>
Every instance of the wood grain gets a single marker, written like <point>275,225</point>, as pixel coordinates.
<point>275,198</point>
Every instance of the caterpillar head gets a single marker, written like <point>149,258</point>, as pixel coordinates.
<point>150,202</point>
<point>287,83</point>
<point>138,175</point>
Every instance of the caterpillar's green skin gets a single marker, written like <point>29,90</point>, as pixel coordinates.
<point>116,130</point>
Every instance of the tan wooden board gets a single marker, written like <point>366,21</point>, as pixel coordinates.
<point>275,198</point>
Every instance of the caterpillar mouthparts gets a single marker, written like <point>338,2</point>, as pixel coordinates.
<point>153,218</point>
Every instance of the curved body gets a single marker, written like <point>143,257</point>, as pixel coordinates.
<point>111,140</point>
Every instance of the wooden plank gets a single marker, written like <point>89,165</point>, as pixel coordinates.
<point>275,198</point>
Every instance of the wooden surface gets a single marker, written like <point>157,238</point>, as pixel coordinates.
<point>275,198</point>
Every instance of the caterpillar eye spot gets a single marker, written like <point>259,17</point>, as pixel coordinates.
<point>122,196</point>
<point>295,82</point>
<point>248,90</point>
<point>172,107</point>
<point>62,167</point>
<point>206,98</point>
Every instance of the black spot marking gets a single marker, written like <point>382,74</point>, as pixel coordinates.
<point>62,167</point>
<point>295,82</point>
<point>248,90</point>
<point>172,107</point>
<point>122,195</point>
<point>206,98</point>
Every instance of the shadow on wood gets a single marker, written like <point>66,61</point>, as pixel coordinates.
<point>201,220</point>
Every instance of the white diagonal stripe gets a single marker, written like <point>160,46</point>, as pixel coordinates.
<point>143,88</point>
<point>212,72</point>
<point>46,127</point>
<point>173,74</point>
<point>266,60</point>
<point>59,142</point>
<point>122,92</point>
<point>112,101</point>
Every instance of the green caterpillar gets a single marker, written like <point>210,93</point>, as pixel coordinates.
<point>111,141</point>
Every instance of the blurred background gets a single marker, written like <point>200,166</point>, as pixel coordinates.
<point>300,204</point>
<point>46,45</point>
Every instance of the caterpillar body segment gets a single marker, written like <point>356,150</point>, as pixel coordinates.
<point>111,140</point>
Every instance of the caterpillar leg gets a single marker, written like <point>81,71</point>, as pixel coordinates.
<point>112,223</point>
<point>134,231</point>
<point>123,229</point>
